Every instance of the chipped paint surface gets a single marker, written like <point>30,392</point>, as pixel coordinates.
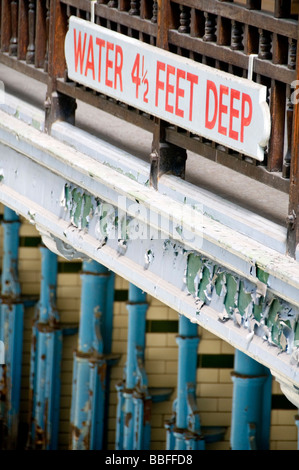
<point>82,207</point>
<point>78,204</point>
<point>249,305</point>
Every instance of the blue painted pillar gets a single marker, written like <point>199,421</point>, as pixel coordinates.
<point>297,424</point>
<point>11,331</point>
<point>134,401</point>
<point>91,360</point>
<point>184,429</point>
<point>46,353</point>
<point>251,408</point>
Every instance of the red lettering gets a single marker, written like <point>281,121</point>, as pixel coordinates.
<point>135,74</point>
<point>101,43</point>
<point>216,108</point>
<point>159,84</point>
<point>211,87</point>
<point>169,88</point>
<point>90,59</point>
<point>79,52</point>
<point>222,109</point>
<point>118,67</point>
<point>193,79</point>
<point>109,63</point>
<point>179,92</point>
<point>245,120</point>
<point>234,113</point>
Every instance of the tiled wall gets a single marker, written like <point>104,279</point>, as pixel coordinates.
<point>215,357</point>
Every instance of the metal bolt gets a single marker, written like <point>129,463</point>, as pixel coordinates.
<point>290,220</point>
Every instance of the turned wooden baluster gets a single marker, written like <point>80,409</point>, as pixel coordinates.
<point>113,4</point>
<point>13,45</point>
<point>292,54</point>
<point>264,45</point>
<point>31,32</point>
<point>22,29</point>
<point>251,38</point>
<point>40,34</point>
<point>46,63</point>
<point>155,12</point>
<point>289,125</point>
<point>5,25</point>
<point>135,7</point>
<point>210,28</point>
<point>293,214</point>
<point>184,20</point>
<point>237,36</point>
<point>289,110</point>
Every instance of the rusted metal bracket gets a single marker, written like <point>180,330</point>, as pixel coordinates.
<point>165,158</point>
<point>291,222</point>
<point>59,107</point>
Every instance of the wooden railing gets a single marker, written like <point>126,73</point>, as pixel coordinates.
<point>24,36</point>
<point>221,34</point>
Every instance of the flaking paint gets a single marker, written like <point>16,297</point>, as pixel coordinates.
<point>250,305</point>
<point>244,302</point>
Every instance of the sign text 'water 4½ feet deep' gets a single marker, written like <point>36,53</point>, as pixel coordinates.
<point>216,105</point>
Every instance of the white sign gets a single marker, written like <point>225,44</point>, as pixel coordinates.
<point>213,104</point>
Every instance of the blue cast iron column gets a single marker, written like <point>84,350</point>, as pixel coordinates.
<point>251,409</point>
<point>134,401</point>
<point>297,424</point>
<point>92,360</point>
<point>46,353</point>
<point>11,332</point>
<point>184,429</point>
